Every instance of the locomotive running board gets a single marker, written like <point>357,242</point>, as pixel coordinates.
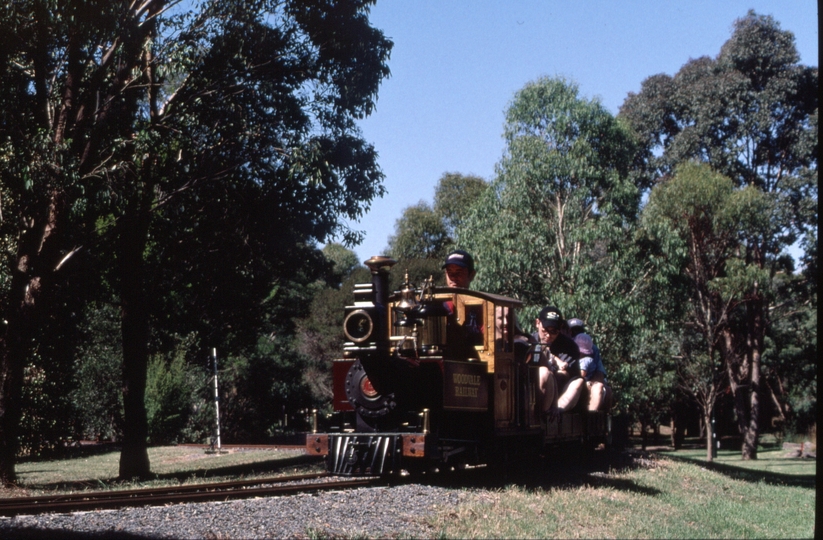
<point>372,454</point>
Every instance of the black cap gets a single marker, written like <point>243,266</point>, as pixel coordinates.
<point>550,317</point>
<point>460,258</point>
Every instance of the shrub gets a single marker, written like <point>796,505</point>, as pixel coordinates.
<point>168,398</point>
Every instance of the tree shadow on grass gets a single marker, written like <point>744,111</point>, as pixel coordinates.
<point>259,467</point>
<point>572,469</point>
<point>749,475</point>
<point>621,484</point>
<point>556,469</point>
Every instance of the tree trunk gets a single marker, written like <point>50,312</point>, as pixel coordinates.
<point>14,351</point>
<point>744,377</point>
<point>739,371</point>
<point>36,262</point>
<point>134,457</point>
<point>707,421</point>
<point>673,433</point>
<point>16,346</point>
<point>756,331</point>
<point>752,433</point>
<point>11,389</point>
<point>643,440</point>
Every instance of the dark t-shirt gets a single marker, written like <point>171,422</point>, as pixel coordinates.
<point>563,344</point>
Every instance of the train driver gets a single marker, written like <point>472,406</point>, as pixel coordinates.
<point>459,270</point>
<point>459,267</point>
<point>559,378</point>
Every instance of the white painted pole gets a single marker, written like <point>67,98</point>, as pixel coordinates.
<point>216,398</point>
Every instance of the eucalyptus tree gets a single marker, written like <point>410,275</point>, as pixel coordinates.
<point>549,227</point>
<point>557,226</point>
<point>696,218</point>
<point>454,196</point>
<point>419,234</point>
<point>789,360</point>
<point>751,113</point>
<point>424,233</point>
<point>319,337</point>
<point>218,138</point>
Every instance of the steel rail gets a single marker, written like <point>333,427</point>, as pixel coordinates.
<point>222,491</point>
<point>245,446</point>
<point>81,495</point>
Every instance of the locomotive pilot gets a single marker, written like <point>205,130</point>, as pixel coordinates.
<point>559,378</point>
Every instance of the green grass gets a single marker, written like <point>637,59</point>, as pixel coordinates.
<point>770,464</point>
<point>171,465</point>
<point>663,498</point>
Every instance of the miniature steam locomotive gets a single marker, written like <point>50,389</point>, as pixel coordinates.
<point>433,378</point>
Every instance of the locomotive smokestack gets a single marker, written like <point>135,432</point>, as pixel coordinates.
<point>380,267</point>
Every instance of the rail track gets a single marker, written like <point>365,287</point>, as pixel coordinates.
<point>220,491</point>
<point>229,447</point>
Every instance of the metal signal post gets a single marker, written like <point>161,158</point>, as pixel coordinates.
<point>216,400</point>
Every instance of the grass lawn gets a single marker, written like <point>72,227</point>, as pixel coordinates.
<point>771,464</point>
<point>615,495</point>
<point>172,465</point>
<point>657,497</point>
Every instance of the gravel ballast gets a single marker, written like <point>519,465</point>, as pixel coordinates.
<point>375,512</point>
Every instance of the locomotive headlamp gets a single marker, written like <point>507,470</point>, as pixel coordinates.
<point>365,324</point>
<point>358,326</point>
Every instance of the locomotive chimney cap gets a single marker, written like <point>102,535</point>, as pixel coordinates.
<point>378,262</point>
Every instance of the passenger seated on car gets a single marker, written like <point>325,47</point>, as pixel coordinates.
<point>594,373</point>
<point>523,343</point>
<point>559,378</point>
<point>501,329</point>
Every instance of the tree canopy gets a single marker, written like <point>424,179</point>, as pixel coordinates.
<point>220,139</point>
<point>751,114</point>
<point>419,234</point>
<point>454,196</point>
<point>562,195</point>
<point>696,217</point>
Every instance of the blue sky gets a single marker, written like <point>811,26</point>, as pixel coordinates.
<point>456,65</point>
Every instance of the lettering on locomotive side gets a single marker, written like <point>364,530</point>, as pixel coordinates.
<point>464,378</point>
<point>465,391</point>
<point>466,386</point>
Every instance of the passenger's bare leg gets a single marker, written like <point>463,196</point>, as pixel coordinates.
<point>548,387</point>
<point>571,393</point>
<point>595,396</point>
<point>607,398</point>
